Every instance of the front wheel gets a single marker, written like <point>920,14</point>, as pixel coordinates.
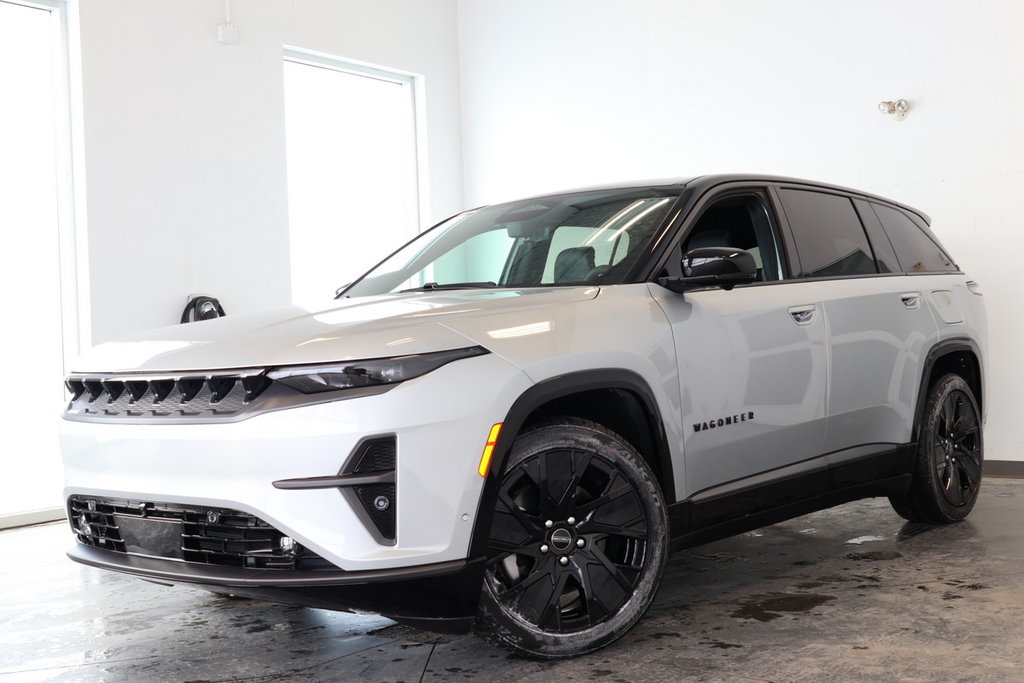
<point>950,454</point>
<point>578,542</point>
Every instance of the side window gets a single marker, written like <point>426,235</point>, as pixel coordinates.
<point>830,239</point>
<point>916,251</point>
<point>742,222</point>
<point>885,257</point>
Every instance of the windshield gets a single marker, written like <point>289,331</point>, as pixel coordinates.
<point>572,239</point>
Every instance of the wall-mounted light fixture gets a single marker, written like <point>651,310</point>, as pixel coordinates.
<point>227,33</point>
<point>898,109</point>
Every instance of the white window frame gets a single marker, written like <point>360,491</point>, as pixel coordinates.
<point>417,85</point>
<point>74,250</point>
<point>76,329</point>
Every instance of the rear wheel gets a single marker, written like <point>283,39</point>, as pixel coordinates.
<point>950,454</point>
<point>578,542</point>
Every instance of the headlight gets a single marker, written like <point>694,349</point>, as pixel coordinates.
<point>312,379</point>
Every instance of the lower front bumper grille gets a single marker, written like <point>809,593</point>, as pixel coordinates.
<point>196,534</point>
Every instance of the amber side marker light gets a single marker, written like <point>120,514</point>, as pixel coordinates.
<point>485,457</point>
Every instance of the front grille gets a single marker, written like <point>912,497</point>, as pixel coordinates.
<point>204,535</point>
<point>191,396</point>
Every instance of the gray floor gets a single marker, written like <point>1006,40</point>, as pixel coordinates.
<point>846,594</point>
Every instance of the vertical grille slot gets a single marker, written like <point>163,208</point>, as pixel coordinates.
<point>188,387</point>
<point>129,395</point>
<point>76,387</point>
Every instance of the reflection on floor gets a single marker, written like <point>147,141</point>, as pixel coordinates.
<point>846,594</point>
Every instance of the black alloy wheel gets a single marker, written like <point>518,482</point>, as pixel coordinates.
<point>577,545</point>
<point>950,456</point>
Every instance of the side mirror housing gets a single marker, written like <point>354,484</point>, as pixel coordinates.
<point>723,267</point>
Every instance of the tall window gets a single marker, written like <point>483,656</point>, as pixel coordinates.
<point>35,215</point>
<point>353,190</point>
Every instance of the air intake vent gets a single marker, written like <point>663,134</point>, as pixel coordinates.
<point>203,535</point>
<point>377,455</point>
<point>212,395</point>
<point>376,504</point>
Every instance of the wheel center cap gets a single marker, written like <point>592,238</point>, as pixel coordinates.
<point>561,539</point>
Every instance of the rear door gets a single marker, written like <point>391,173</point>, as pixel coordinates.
<point>877,324</point>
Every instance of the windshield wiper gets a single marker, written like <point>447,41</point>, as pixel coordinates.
<point>433,286</point>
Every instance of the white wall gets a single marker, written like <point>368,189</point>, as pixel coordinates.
<point>185,167</point>
<point>569,93</point>
<point>184,141</point>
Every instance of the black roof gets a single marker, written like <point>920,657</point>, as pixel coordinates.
<point>706,182</point>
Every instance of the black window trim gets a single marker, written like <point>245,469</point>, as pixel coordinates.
<point>684,222</point>
<point>862,206</point>
<point>830,191</point>
<point>921,224</point>
<point>678,223</point>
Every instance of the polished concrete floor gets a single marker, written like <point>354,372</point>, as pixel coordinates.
<point>849,594</point>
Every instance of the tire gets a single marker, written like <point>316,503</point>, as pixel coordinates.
<point>578,542</point>
<point>950,456</point>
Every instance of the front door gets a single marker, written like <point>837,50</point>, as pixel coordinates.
<point>752,362</point>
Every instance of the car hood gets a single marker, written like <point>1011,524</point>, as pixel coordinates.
<point>366,327</point>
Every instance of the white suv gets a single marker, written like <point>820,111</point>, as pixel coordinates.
<point>513,419</point>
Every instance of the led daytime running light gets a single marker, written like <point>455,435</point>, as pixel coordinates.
<point>313,379</point>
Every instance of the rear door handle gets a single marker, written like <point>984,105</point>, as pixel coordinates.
<point>911,300</point>
<point>803,315</point>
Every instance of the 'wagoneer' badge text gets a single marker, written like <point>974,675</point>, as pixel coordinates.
<point>723,421</point>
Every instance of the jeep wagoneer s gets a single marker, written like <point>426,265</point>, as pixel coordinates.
<point>509,423</point>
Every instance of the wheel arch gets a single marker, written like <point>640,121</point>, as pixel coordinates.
<point>597,395</point>
<point>960,356</point>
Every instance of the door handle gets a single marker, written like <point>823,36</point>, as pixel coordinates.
<point>803,315</point>
<point>911,300</point>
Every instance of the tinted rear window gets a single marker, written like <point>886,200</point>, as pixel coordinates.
<point>829,237</point>
<point>916,251</point>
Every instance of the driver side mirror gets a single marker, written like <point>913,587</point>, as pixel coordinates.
<point>723,267</point>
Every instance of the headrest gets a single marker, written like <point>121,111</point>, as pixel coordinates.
<point>711,238</point>
<point>574,264</point>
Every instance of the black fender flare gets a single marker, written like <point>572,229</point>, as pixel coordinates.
<point>940,349</point>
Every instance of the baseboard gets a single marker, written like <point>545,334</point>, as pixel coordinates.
<point>1005,468</point>
<point>31,517</point>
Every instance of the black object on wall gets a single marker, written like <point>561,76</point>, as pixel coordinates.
<point>201,307</point>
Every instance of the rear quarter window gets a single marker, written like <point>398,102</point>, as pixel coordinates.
<point>916,251</point>
<point>829,237</point>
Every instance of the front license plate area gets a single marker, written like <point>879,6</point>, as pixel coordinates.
<point>153,537</point>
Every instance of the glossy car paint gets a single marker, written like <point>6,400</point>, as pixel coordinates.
<point>233,464</point>
<point>742,352</point>
<point>346,329</point>
<point>877,333</point>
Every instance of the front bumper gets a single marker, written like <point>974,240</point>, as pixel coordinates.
<point>441,597</point>
<point>440,422</point>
